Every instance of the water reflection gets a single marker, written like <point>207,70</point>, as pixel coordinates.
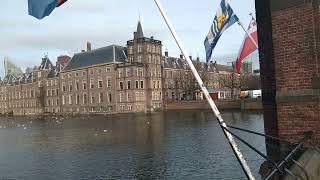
<point>170,145</point>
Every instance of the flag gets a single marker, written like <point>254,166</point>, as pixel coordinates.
<point>247,46</point>
<point>224,18</point>
<point>42,8</point>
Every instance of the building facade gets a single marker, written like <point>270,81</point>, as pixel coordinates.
<point>111,79</point>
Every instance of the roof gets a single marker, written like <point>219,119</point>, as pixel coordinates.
<point>178,63</point>
<point>139,30</point>
<point>46,64</point>
<point>10,79</point>
<point>108,54</point>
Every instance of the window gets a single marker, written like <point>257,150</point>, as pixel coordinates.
<point>137,84</point>
<point>142,96</point>
<point>77,85</point>
<point>139,58</point>
<point>99,82</point>
<point>128,84</point>
<point>141,84</point>
<point>110,96</point>
<point>108,69</point>
<point>128,72</point>
<point>85,99</point>
<point>84,84</point>
<point>70,86</point>
<point>63,100</point>
<point>76,74</point>
<point>129,97</point>
<point>154,84</point>
<point>99,71</point>
<point>52,92</point>
<point>130,50</point>
<point>92,98</point>
<point>121,85</point>
<point>153,49</point>
<point>159,86</point>
<point>139,48</point>
<point>39,75</point>
<point>141,73</point>
<point>69,75</point>
<point>137,96</point>
<point>91,84</point>
<point>121,97</point>
<point>100,98</point>
<point>109,82</point>
<point>63,87</point>
<point>91,72</point>
<point>120,73</point>
<point>77,99</point>
<point>136,72</point>
<point>84,73</point>
<point>70,99</point>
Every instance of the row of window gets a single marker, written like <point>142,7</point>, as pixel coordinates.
<point>18,95</point>
<point>137,85</point>
<point>150,48</point>
<point>83,99</point>
<point>138,72</point>
<point>84,73</point>
<point>84,84</point>
<point>52,82</point>
<point>52,92</point>
<point>128,97</point>
<point>20,104</point>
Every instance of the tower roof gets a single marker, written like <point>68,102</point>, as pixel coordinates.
<point>139,30</point>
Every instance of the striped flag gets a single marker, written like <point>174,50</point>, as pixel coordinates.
<point>248,47</point>
<point>42,8</point>
<point>224,18</point>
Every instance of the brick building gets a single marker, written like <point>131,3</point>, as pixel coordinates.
<point>111,79</point>
<point>289,48</point>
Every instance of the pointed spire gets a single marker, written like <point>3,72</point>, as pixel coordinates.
<point>139,30</point>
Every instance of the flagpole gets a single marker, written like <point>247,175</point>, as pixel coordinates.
<point>245,30</point>
<point>213,106</point>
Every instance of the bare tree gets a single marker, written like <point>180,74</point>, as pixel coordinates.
<point>189,83</point>
<point>233,82</point>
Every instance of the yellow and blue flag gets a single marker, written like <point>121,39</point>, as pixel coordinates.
<point>42,8</point>
<point>224,18</point>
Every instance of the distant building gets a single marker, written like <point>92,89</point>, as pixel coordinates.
<point>11,68</point>
<point>111,79</point>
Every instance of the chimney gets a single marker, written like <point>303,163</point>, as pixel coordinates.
<point>198,59</point>
<point>135,35</point>
<point>190,57</point>
<point>88,46</point>
<point>166,54</point>
<point>181,56</point>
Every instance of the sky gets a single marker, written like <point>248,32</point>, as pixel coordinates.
<point>25,39</point>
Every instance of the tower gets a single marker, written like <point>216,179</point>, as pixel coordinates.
<point>147,52</point>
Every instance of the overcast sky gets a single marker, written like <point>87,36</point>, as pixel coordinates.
<point>103,22</point>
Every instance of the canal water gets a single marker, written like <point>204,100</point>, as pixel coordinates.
<point>168,145</point>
